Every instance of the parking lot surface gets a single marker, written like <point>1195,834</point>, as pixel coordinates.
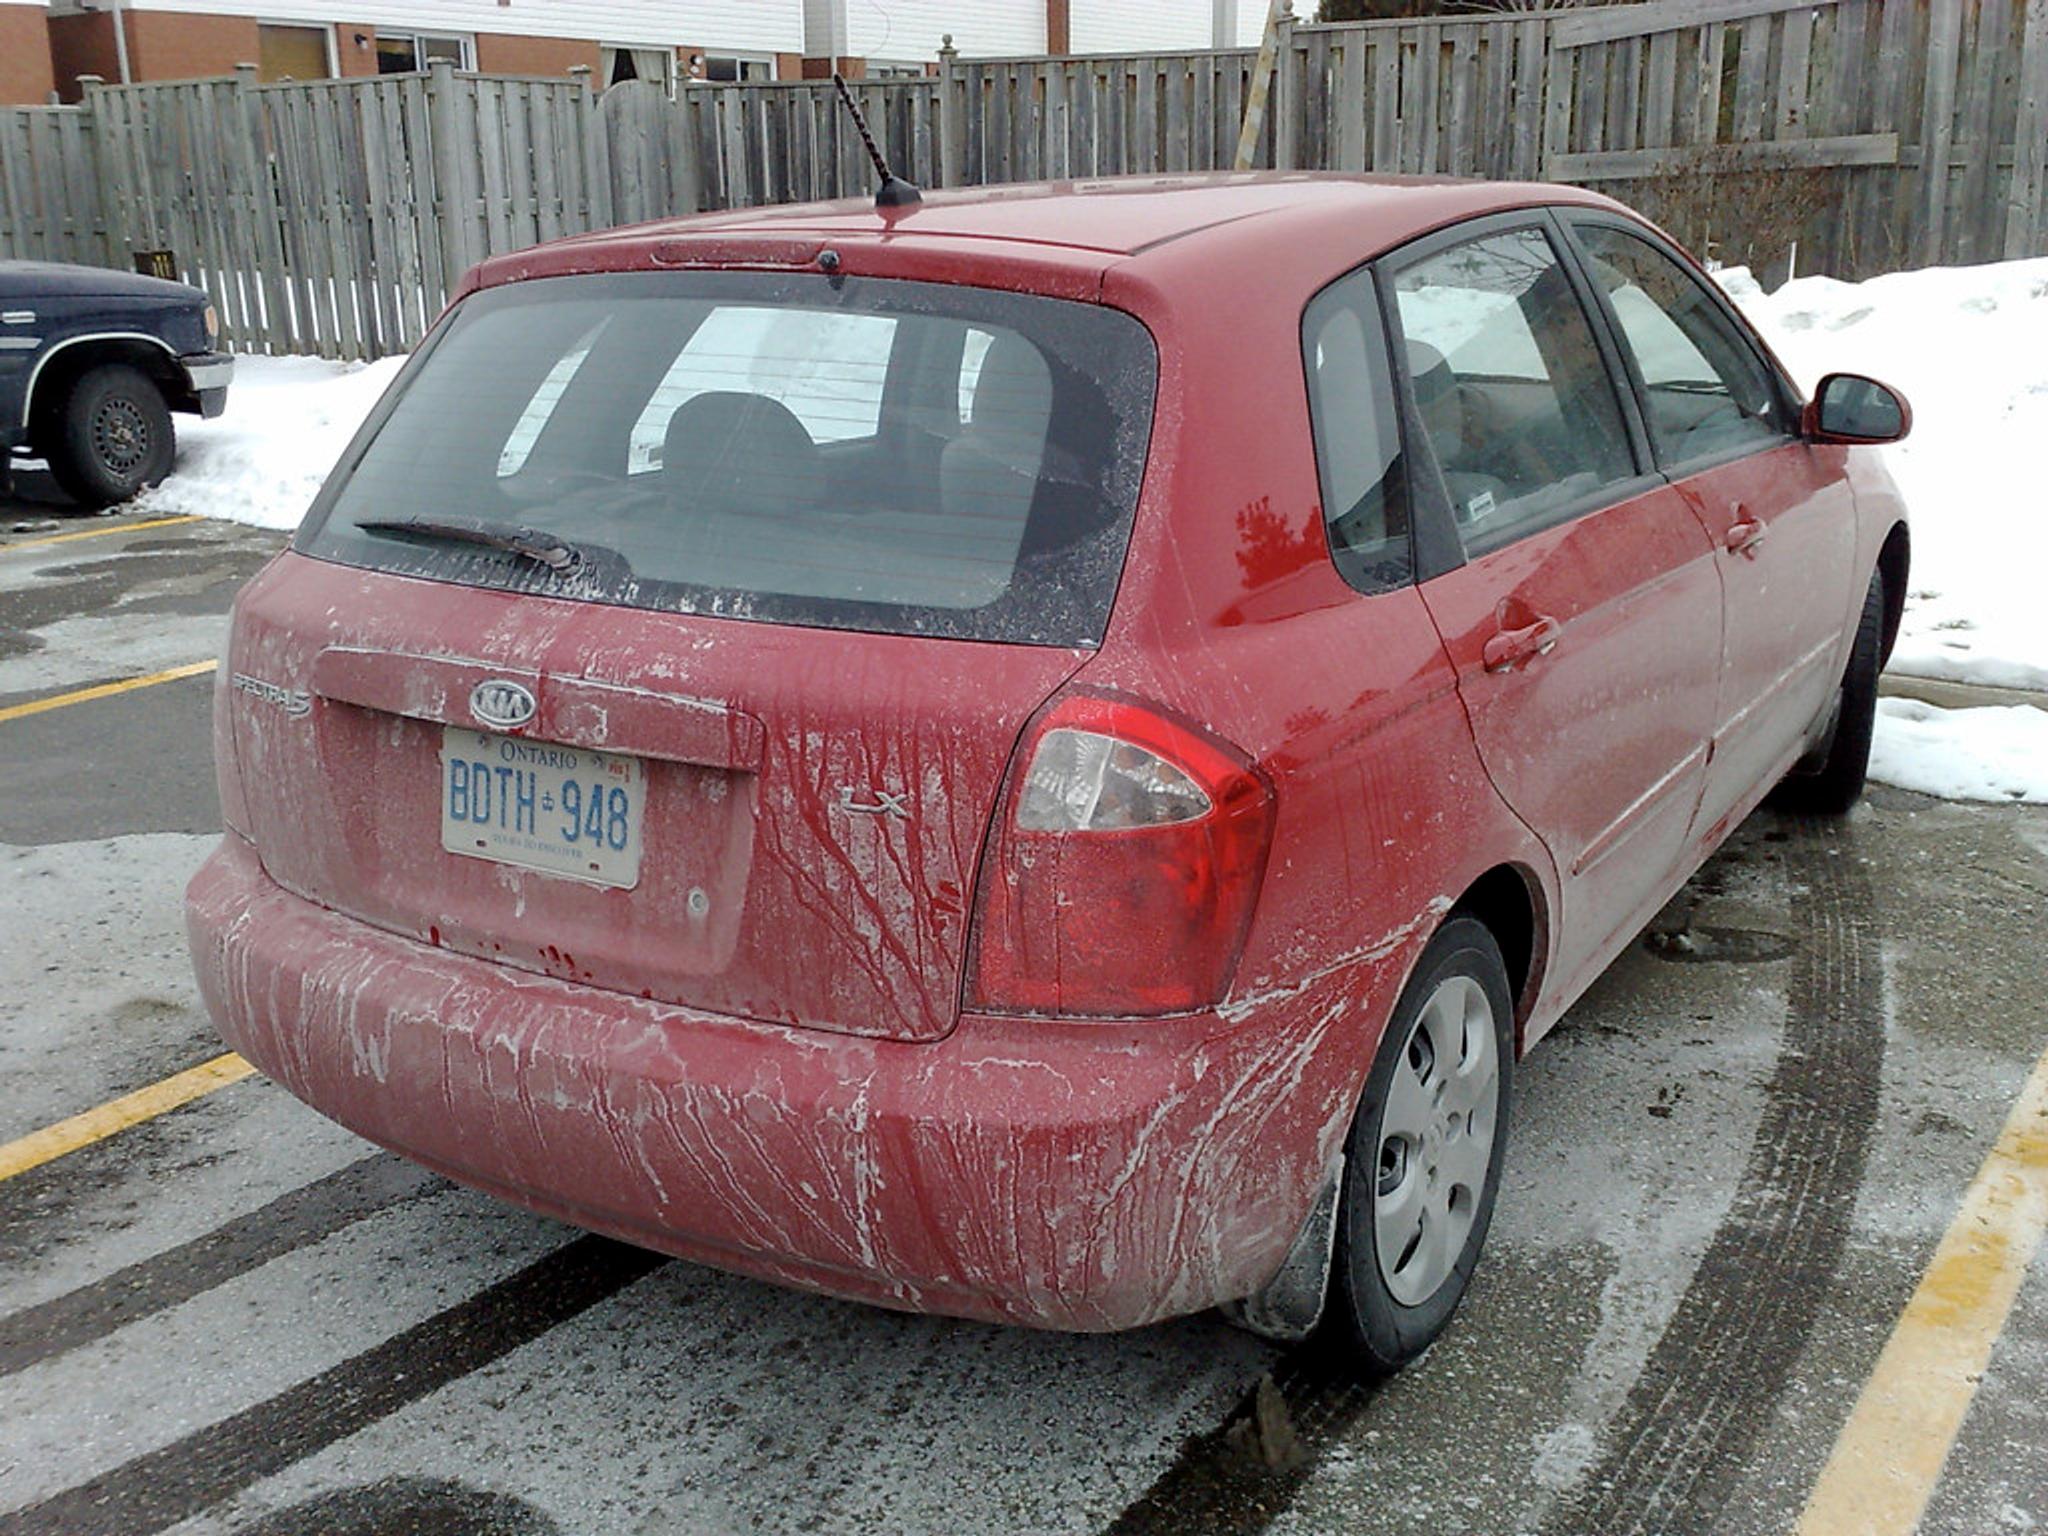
<point>1730,1171</point>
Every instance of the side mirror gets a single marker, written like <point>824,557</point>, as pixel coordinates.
<point>1848,408</point>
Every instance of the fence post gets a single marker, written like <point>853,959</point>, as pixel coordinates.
<point>105,197</point>
<point>952,124</point>
<point>451,181</point>
<point>597,171</point>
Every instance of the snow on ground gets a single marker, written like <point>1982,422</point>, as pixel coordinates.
<point>287,421</point>
<point>1998,753</point>
<point>1969,348</point>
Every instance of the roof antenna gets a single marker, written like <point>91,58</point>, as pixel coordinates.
<point>894,192</point>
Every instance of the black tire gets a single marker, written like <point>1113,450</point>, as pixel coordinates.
<point>1380,1321</point>
<point>1830,780</point>
<point>110,436</point>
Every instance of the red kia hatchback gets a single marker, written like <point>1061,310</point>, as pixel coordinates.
<point>1041,754</point>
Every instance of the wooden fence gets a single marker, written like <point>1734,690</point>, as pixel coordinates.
<point>333,217</point>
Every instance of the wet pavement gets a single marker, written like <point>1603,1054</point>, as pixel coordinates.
<point>1729,1169</point>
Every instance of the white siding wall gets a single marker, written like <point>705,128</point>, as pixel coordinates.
<point>911,29</point>
<point>1251,20</point>
<point>762,26</point>
<point>1139,26</point>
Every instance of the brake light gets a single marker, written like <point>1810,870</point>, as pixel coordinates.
<point>1124,867</point>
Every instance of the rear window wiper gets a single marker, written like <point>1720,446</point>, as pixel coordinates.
<point>535,544</point>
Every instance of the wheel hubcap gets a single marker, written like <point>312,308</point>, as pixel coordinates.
<point>1436,1140</point>
<point>120,436</point>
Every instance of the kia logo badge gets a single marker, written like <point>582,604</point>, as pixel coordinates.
<point>502,703</point>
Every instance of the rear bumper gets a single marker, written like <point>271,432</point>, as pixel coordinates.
<point>1083,1177</point>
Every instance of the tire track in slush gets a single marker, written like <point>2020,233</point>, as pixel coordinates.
<point>1688,1426</point>
<point>1692,1418</point>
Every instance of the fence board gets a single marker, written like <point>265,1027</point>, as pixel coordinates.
<point>2024,210</point>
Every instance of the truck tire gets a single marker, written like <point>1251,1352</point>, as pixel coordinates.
<point>109,436</point>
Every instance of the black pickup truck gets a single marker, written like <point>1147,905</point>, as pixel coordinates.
<point>92,363</point>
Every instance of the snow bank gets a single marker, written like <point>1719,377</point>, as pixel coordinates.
<point>287,421</point>
<point>1969,347</point>
<point>1996,754</point>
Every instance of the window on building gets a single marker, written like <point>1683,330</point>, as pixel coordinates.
<point>880,71</point>
<point>620,62</point>
<point>293,53</point>
<point>730,68</point>
<point>401,53</point>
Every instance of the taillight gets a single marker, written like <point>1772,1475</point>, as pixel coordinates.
<point>1124,867</point>
<point>227,773</point>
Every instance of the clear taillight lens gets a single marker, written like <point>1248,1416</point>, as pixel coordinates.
<point>1084,781</point>
<point>1124,868</point>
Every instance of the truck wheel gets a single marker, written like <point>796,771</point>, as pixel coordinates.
<point>1423,1162</point>
<point>110,437</point>
<point>1832,780</point>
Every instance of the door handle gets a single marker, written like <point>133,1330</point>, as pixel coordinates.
<point>1508,649</point>
<point>1744,534</point>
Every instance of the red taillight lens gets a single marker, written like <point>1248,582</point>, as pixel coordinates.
<point>1123,870</point>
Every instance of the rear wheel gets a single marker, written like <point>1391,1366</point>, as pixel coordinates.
<point>1830,780</point>
<point>1422,1166</point>
<point>110,436</point>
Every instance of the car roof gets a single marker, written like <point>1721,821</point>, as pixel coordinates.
<point>1088,223</point>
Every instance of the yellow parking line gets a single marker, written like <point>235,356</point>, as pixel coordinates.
<point>104,690</point>
<point>1890,1454</point>
<point>101,533</point>
<point>82,1130</point>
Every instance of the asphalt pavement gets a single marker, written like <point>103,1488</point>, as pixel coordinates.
<point>1730,1172</point>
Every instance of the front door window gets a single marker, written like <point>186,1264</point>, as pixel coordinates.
<point>1705,391</point>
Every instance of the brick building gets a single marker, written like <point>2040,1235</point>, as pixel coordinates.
<point>49,46</point>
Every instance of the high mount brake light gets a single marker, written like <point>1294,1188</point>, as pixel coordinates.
<point>1124,867</point>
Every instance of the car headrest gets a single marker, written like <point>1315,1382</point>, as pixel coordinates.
<point>1430,372</point>
<point>1014,391</point>
<point>733,451</point>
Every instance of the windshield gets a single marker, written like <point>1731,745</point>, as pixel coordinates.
<point>861,453</point>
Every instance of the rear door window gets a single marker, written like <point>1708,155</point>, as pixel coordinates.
<point>1509,384</point>
<point>903,457</point>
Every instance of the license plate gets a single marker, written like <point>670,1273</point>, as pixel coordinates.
<point>562,810</point>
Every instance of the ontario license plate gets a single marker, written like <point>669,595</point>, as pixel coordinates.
<point>562,810</point>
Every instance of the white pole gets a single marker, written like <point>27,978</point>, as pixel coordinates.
<point>1223,24</point>
<point>121,43</point>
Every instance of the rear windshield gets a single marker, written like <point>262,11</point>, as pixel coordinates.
<point>867,454</point>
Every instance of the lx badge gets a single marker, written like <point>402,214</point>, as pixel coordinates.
<point>884,803</point>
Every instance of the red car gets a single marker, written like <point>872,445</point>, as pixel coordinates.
<point>1037,755</point>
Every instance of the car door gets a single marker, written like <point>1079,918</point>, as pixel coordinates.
<point>1584,622</point>
<point>1725,430</point>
